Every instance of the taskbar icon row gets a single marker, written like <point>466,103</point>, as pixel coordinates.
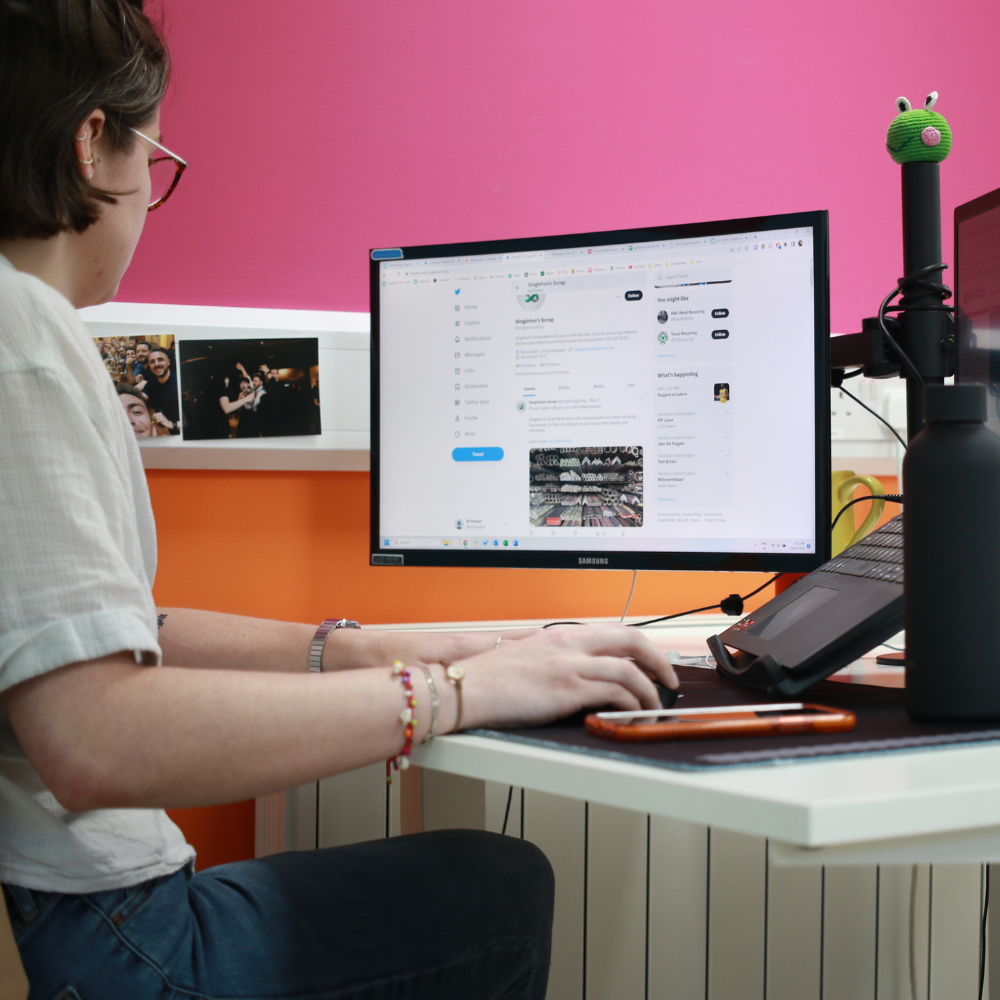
<point>453,543</point>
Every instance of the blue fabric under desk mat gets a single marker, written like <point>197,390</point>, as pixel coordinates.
<point>882,727</point>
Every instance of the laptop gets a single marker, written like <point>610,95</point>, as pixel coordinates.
<point>822,622</point>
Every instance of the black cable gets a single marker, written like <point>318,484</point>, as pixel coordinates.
<point>693,611</point>
<point>890,497</point>
<point>916,280</point>
<point>712,607</point>
<point>506,813</point>
<point>878,416</point>
<point>982,935</point>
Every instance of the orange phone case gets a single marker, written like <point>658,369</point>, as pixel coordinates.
<point>830,720</point>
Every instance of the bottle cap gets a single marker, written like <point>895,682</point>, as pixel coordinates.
<point>955,404</point>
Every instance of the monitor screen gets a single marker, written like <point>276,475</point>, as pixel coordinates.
<point>653,398</point>
<point>977,299</point>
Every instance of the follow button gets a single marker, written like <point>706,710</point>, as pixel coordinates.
<point>477,454</point>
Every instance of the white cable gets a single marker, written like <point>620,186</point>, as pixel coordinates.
<point>635,573</point>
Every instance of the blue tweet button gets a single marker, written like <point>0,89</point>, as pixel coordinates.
<point>477,454</point>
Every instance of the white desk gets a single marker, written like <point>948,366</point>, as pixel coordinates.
<point>930,800</point>
<point>769,883</point>
<point>800,873</point>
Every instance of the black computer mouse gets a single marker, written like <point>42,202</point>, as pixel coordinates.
<point>668,696</point>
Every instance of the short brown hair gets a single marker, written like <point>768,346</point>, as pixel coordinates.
<point>124,389</point>
<point>59,60</point>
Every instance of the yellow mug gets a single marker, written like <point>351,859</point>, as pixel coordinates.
<point>846,533</point>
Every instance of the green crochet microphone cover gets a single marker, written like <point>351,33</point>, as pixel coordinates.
<point>918,135</point>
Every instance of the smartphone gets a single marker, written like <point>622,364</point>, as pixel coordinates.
<point>781,719</point>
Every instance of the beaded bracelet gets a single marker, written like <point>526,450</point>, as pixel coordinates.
<point>402,760</point>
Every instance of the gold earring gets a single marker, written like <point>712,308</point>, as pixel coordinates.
<point>91,160</point>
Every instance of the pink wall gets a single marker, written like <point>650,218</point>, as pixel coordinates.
<point>317,129</point>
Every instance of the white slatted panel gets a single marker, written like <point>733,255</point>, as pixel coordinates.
<point>678,909</point>
<point>992,991</point>
<point>894,931</point>
<point>269,825</point>
<point>736,909</point>
<point>794,933</point>
<point>850,903</point>
<point>395,802</point>
<point>352,807</point>
<point>954,935</point>
<point>718,920</point>
<point>453,802</point>
<point>558,826</point>
<point>496,806</point>
<point>617,846</point>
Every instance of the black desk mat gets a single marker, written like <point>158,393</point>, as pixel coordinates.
<point>882,727</point>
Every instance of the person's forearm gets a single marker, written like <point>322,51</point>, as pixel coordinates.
<point>109,734</point>
<point>232,642</point>
<point>210,639</point>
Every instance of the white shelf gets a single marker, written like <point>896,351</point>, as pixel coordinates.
<point>344,351</point>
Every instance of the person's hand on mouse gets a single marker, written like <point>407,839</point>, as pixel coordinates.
<point>556,672</point>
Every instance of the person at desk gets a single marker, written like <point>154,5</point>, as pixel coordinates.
<point>113,710</point>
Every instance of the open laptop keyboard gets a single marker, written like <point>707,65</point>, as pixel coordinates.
<point>879,556</point>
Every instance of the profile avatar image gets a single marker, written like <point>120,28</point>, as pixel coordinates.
<point>662,338</point>
<point>722,392</point>
<point>662,316</point>
<point>531,301</point>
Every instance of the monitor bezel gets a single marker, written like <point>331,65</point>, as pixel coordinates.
<point>969,210</point>
<point>583,559</point>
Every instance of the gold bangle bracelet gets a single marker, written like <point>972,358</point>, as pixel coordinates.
<point>456,674</point>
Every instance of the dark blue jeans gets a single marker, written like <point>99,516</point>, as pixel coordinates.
<point>451,915</point>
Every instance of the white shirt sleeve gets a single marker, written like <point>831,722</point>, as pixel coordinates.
<point>72,582</point>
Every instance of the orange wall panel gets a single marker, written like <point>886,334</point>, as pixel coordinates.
<point>294,546</point>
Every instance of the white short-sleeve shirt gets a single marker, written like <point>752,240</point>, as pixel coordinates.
<point>77,560</point>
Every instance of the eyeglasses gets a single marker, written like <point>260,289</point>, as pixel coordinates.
<point>164,173</point>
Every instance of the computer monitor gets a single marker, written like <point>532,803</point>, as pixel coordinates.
<point>977,297</point>
<point>639,399</point>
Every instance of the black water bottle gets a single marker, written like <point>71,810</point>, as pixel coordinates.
<point>951,560</point>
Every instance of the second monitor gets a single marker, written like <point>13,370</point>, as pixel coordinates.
<point>652,398</point>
